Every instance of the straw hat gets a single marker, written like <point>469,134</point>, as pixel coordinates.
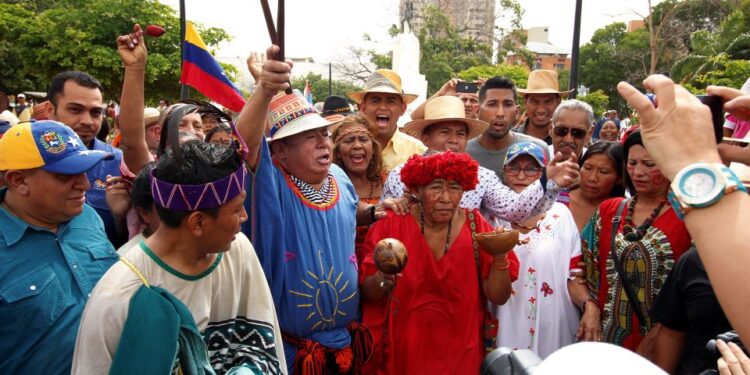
<point>291,114</point>
<point>384,81</point>
<point>543,81</point>
<point>150,116</point>
<point>445,109</point>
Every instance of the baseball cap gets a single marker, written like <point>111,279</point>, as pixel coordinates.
<point>526,148</point>
<point>49,145</point>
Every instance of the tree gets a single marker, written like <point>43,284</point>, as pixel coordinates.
<point>444,52</point>
<point>598,100</point>
<point>319,86</point>
<point>517,73</point>
<point>512,40</point>
<point>713,50</point>
<point>42,38</point>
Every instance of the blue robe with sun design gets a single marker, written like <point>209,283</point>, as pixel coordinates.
<point>307,253</point>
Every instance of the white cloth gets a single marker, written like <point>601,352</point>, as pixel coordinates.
<point>131,244</point>
<point>231,305</point>
<point>540,315</point>
<point>495,200</point>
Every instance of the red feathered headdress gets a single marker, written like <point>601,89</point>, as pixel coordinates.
<point>421,170</point>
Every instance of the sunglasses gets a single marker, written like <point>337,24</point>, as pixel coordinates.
<point>562,131</point>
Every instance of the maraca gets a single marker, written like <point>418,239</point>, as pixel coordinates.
<point>154,30</point>
<point>390,256</point>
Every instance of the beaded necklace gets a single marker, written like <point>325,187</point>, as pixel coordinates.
<point>633,233</point>
<point>421,226</point>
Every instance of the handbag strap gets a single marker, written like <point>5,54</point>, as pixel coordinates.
<point>632,297</point>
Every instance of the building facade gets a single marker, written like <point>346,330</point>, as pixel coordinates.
<point>472,18</point>
<point>546,55</point>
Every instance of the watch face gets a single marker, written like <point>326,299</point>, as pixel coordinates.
<point>698,184</point>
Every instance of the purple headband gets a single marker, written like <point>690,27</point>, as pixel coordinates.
<point>200,197</point>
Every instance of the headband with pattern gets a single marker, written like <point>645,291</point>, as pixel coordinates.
<point>182,197</point>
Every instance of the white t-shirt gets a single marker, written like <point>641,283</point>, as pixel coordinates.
<point>230,303</point>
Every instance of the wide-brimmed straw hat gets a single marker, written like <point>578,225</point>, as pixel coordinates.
<point>383,81</point>
<point>291,114</point>
<point>445,109</point>
<point>150,116</point>
<point>543,81</point>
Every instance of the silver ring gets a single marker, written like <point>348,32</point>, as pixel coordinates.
<point>382,283</point>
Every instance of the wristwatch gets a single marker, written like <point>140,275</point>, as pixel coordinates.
<point>701,185</point>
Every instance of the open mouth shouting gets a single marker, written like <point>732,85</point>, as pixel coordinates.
<point>382,121</point>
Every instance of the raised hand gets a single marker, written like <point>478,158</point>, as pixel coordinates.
<point>565,172</point>
<point>132,48</point>
<point>275,75</point>
<point>255,65</point>
<point>678,131</point>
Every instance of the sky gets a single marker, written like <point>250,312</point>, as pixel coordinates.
<point>325,29</point>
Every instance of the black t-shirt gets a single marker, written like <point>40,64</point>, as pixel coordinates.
<point>687,303</point>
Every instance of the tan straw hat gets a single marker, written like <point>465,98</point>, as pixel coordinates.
<point>150,116</point>
<point>444,109</point>
<point>384,81</point>
<point>543,81</point>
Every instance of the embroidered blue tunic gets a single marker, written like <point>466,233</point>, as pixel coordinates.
<point>307,253</point>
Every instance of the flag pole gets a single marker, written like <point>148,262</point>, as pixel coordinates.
<point>330,80</point>
<point>573,85</point>
<point>184,90</point>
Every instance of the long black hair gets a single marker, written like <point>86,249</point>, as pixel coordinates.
<point>633,139</point>
<point>613,151</point>
<point>173,115</point>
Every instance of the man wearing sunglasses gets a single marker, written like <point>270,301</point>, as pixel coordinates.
<point>571,128</point>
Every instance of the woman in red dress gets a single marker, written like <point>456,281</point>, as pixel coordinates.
<point>648,240</point>
<point>437,306</point>
<point>357,153</point>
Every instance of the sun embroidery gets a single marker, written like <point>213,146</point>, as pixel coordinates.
<point>319,287</point>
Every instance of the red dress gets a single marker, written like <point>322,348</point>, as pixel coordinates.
<point>436,313</point>
<point>648,261</point>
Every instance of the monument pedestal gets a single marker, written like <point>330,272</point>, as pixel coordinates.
<point>406,64</point>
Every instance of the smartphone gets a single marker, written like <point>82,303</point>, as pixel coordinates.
<point>469,87</point>
<point>737,141</point>
<point>717,114</point>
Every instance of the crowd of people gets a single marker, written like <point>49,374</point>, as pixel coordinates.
<point>198,242</point>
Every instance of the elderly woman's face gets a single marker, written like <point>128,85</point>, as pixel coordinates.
<point>522,172</point>
<point>440,199</point>
<point>355,151</point>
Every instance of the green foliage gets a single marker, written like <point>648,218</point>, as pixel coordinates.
<point>718,57</point>
<point>519,74</point>
<point>444,52</point>
<point>513,38</point>
<point>598,100</point>
<point>39,39</point>
<point>319,86</point>
<point>729,72</point>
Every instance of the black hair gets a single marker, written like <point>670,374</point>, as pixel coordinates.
<point>140,194</point>
<point>57,84</point>
<point>633,139</point>
<point>194,163</point>
<point>103,130</point>
<point>172,116</point>
<point>497,82</point>
<point>219,128</point>
<point>614,152</point>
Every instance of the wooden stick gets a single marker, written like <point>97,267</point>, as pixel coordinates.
<point>269,20</point>
<point>280,37</point>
